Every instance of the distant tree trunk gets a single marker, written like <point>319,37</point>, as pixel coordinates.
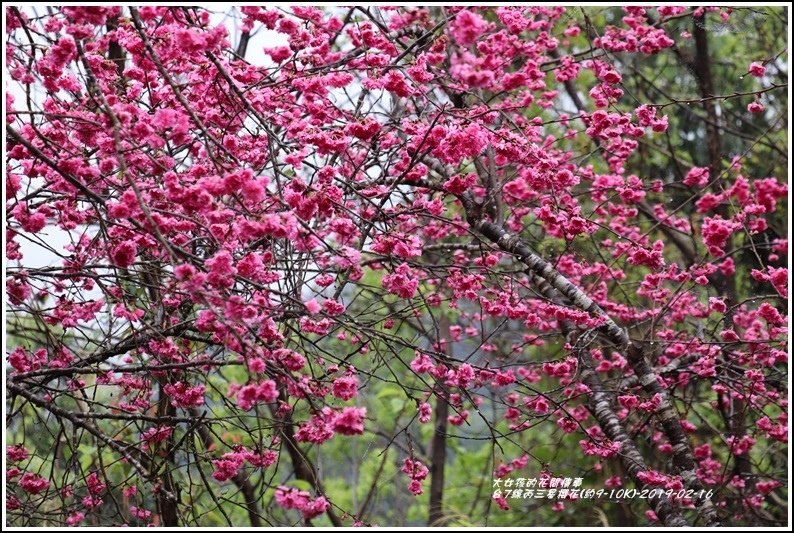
<point>167,506</point>
<point>116,53</point>
<point>304,469</point>
<point>733,409</point>
<point>438,447</point>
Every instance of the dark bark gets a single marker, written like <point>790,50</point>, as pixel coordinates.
<point>683,460</point>
<point>438,446</point>
<point>116,53</point>
<point>242,46</point>
<point>304,469</point>
<point>701,66</point>
<point>633,351</point>
<point>734,412</point>
<point>438,457</point>
<point>240,480</point>
<point>599,402</point>
<point>702,69</point>
<point>166,506</point>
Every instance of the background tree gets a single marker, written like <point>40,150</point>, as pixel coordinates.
<point>382,265</point>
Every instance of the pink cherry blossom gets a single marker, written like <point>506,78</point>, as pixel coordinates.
<point>254,252</point>
<point>350,421</point>
<point>757,69</point>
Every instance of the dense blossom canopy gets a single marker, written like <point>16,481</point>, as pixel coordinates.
<point>354,265</point>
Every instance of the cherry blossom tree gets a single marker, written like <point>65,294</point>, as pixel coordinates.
<point>396,265</point>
